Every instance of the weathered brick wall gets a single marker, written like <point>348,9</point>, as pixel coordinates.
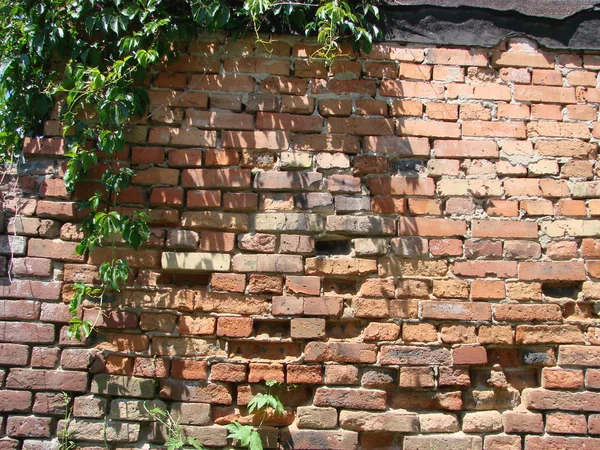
<point>409,238</point>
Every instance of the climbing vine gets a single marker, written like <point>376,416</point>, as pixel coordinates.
<point>83,61</point>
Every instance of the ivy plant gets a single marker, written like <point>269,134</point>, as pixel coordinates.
<point>84,62</point>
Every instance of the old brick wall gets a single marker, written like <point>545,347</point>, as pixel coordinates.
<point>408,238</point>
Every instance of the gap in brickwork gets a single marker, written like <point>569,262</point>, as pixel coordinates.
<point>561,290</point>
<point>332,246</point>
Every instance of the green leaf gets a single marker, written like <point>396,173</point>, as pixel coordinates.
<point>255,442</point>
<point>240,432</point>
<point>5,64</point>
<point>195,443</point>
<point>135,230</point>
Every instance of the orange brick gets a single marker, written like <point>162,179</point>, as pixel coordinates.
<point>511,111</point>
<point>234,326</point>
<point>428,128</point>
<point>441,111</point>
<point>415,71</point>
<point>393,88</point>
<point>486,289</point>
<point>550,112</point>
<point>547,77</point>
<point>494,129</point>
<point>457,57</point>
<point>582,78</point>
<point>483,91</point>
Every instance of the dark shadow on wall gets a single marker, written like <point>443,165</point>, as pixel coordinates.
<point>479,27</point>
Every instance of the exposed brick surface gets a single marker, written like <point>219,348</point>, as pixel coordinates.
<point>407,239</point>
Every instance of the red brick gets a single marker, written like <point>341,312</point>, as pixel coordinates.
<point>559,443</point>
<point>214,178</point>
<point>171,196</point>
<point>481,269</point>
<point>56,210</point>
<point>323,306</point>
<point>456,311</point>
<point>303,284</point>
<point>156,175</point>
<point>465,149</point>
<point>234,326</point>
<point>258,65</point>
<point>475,128</point>
<point>28,427</point>
<point>147,155</point>
<point>428,128</point>
<point>185,158</point>
<point>558,378</point>
<point>25,332</point>
<point>221,82</point>
<point>44,146</point>
<point>552,271</point>
<point>266,371</point>
<point>292,122</point>
<point>487,289</point>
<point>340,352</point>
<point>360,126</point>
<point>301,374</point>
<point>214,241</point>
<point>415,71</point>
<point>401,186</point>
<point>504,229</point>
<point>483,91</point>
<point>427,400</point>
<point>548,334</point>
<point>52,380</point>
<point>457,57</point>
<point>446,247</point>
<point>407,89</point>
<point>189,369</point>
<point>417,226</point>
<point>233,373</point>
<point>203,198</point>
<point>471,355</point>
<point>523,422</point>
<point>565,423</point>
<point>368,399</point>
<point>268,140</point>
<point>527,313</point>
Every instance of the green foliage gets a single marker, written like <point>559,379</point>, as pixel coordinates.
<point>83,62</point>
<point>175,438</point>
<point>337,19</point>
<point>64,436</point>
<point>261,401</point>
<point>248,435</point>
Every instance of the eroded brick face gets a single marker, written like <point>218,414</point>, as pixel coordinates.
<point>411,238</point>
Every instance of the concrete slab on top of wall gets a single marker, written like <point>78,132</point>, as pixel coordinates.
<point>573,25</point>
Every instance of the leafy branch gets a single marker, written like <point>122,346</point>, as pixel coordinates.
<point>175,434</point>
<point>261,402</point>
<point>84,62</point>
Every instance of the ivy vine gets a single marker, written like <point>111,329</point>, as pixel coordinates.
<point>85,60</point>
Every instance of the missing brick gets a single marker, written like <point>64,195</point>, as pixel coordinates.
<point>561,290</point>
<point>333,247</point>
<point>272,329</point>
<point>195,280</point>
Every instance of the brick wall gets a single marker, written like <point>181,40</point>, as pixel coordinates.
<point>408,238</point>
